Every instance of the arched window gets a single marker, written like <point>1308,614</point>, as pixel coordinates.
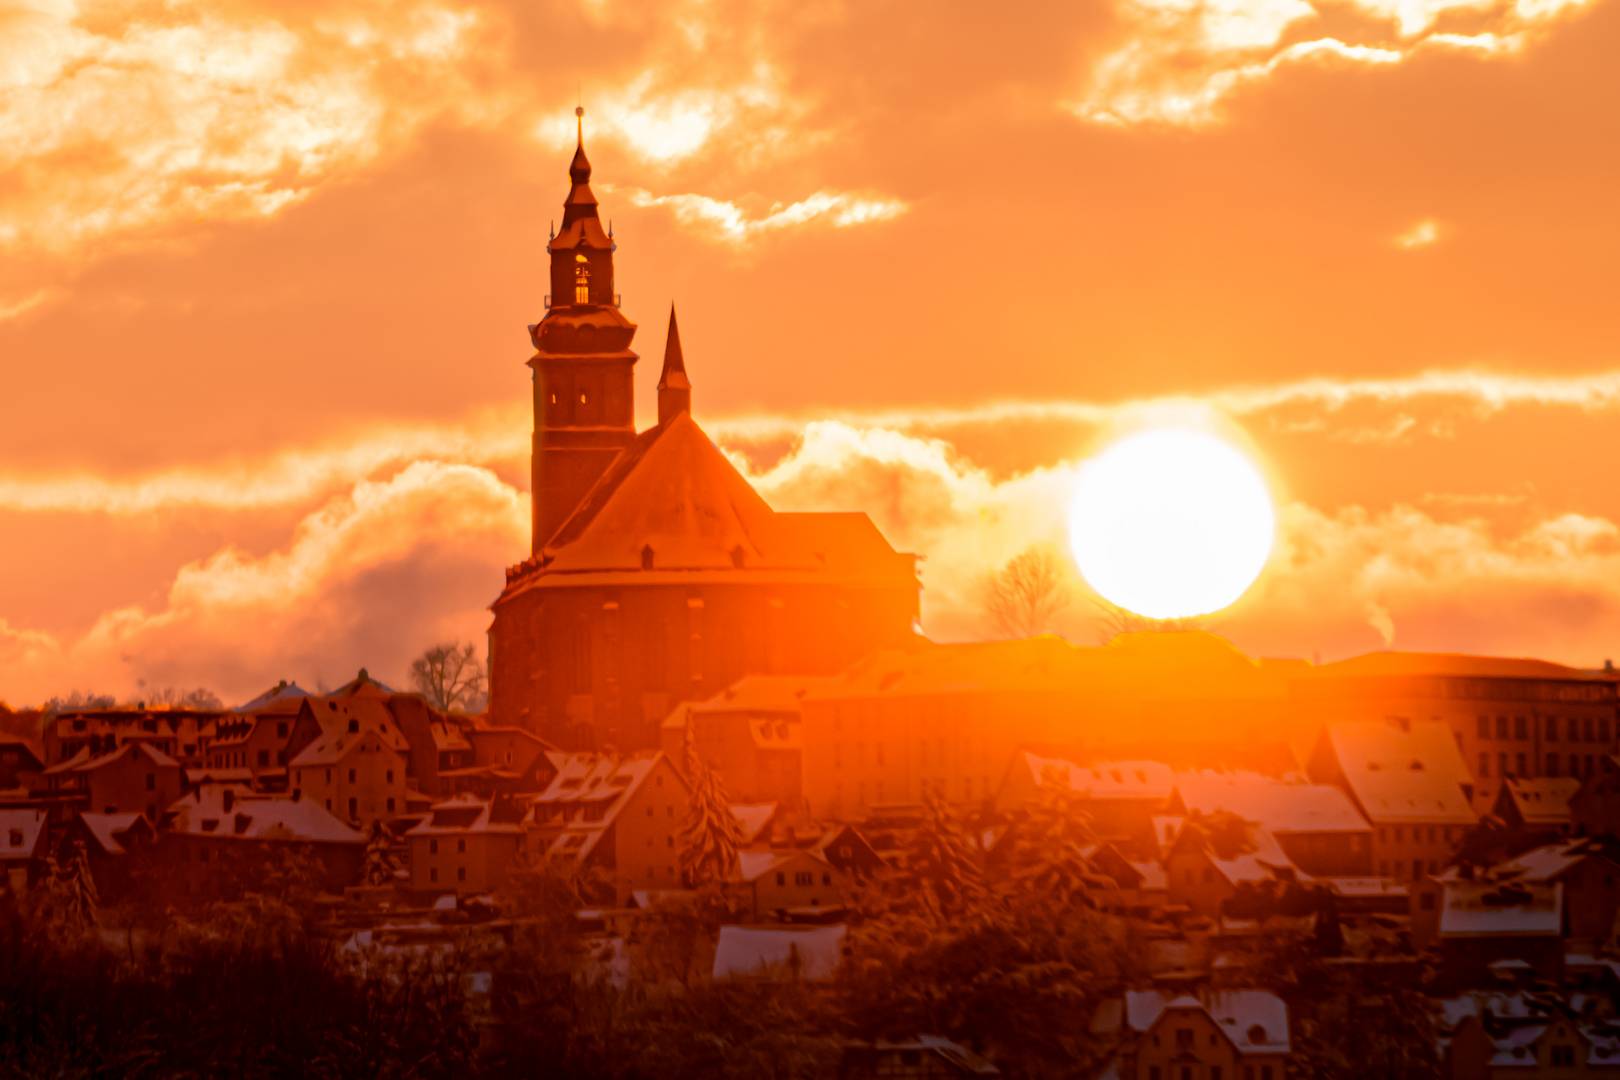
<point>582,280</point>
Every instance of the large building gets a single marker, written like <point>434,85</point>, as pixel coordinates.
<point>1511,718</point>
<point>657,575</point>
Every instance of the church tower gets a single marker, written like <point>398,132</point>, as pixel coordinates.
<point>584,407</point>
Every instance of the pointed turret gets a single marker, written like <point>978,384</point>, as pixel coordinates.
<point>674,388</point>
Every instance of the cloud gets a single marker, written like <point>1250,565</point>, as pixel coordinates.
<point>728,222</point>
<point>1421,234</point>
<point>1178,62</point>
<point>118,126</point>
<point>370,578</point>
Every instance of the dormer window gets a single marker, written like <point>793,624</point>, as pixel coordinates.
<point>582,280</point>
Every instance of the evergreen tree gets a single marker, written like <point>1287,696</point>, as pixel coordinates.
<point>75,890</point>
<point>710,835</point>
<point>381,866</point>
<point>942,863</point>
<point>1050,849</point>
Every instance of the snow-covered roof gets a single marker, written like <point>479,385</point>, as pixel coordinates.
<point>753,819</point>
<point>1403,773</point>
<point>20,833</point>
<point>253,817</point>
<point>1281,806</point>
<point>105,829</point>
<point>1489,909</point>
<point>1146,780</point>
<point>346,723</point>
<point>601,783</point>
<point>1256,1021</point>
<point>284,696</point>
<point>811,952</point>
<point>1542,800</point>
<point>462,815</point>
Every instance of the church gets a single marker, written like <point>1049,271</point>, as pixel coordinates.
<point>657,574</point>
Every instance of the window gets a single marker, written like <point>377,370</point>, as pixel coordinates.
<point>433,873</point>
<point>354,808</point>
<point>1484,765</point>
<point>1426,901</point>
<point>151,781</point>
<point>461,844</point>
<point>781,877</point>
<point>1519,730</point>
<point>582,280</point>
<point>1552,764</point>
<point>826,878</point>
<point>389,776</point>
<point>1501,727</point>
<point>1574,765</point>
<point>1563,1057</point>
<point>390,804</point>
<point>1603,729</point>
<point>433,847</point>
<point>1184,1038</point>
<point>1502,763</point>
<point>1483,728</point>
<point>351,776</point>
<point>1587,725</point>
<point>264,759</point>
<point>804,877</point>
<point>1519,765</point>
<point>1552,727</point>
<point>16,838</point>
<point>461,873</point>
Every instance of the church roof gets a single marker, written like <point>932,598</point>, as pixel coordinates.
<point>673,504</point>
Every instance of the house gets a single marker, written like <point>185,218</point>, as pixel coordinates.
<point>776,884</point>
<point>927,1057</point>
<point>20,761</point>
<point>1228,1034</point>
<point>22,847</point>
<point>808,953</point>
<point>136,777</point>
<point>506,760</point>
<point>1595,807</point>
<point>1141,883</point>
<point>751,734</point>
<point>220,837</point>
<point>182,734</point>
<point>354,766</point>
<point>848,849</point>
<point>1119,798</point>
<point>1587,869</point>
<point>117,846</point>
<point>437,742</point>
<point>1480,923</point>
<point>1210,861</point>
<point>1316,825</point>
<point>1485,1047</point>
<point>464,845</point>
<point>256,742</point>
<point>1410,784</point>
<point>621,814</point>
<point>1537,806</point>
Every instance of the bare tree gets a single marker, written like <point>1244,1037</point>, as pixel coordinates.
<point>172,697</point>
<point>1023,596</point>
<point>452,677</point>
<point>1113,620</point>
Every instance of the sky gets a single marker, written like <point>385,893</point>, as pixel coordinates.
<point>265,272</point>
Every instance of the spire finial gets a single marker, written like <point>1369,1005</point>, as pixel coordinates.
<point>579,123</point>
<point>674,388</point>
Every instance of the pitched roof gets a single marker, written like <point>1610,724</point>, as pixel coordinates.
<point>1402,773</point>
<point>1150,780</point>
<point>589,792</point>
<point>283,697</point>
<point>1256,1021</point>
<point>754,819</point>
<point>1493,909</point>
<point>26,827</point>
<point>106,829</point>
<point>254,817</point>
<point>1541,800</point>
<point>673,505</point>
<point>366,713</point>
<point>82,761</point>
<point>1279,805</point>
<point>466,814</point>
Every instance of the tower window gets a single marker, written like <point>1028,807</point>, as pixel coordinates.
<point>582,280</point>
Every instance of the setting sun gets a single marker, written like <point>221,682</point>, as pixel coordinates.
<point>1171,522</point>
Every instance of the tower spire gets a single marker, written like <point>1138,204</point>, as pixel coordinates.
<point>674,388</point>
<point>579,170</point>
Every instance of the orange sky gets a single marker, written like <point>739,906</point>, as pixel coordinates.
<point>265,272</point>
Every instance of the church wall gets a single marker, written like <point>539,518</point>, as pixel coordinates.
<point>590,667</point>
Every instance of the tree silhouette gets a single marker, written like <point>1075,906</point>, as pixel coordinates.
<point>710,836</point>
<point>381,866</point>
<point>1023,596</point>
<point>1113,620</point>
<point>451,677</point>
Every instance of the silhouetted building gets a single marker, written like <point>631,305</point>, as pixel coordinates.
<point>657,574</point>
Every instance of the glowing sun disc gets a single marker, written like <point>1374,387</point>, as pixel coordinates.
<point>1170,523</point>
